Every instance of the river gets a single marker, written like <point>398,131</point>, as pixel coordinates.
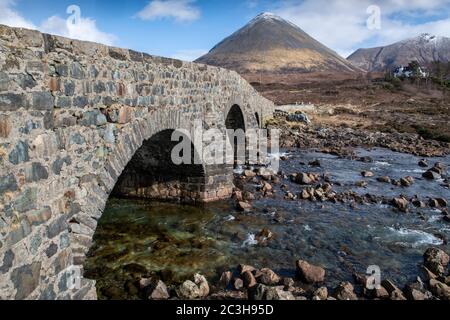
<point>138,238</point>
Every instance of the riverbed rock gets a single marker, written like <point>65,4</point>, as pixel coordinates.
<point>361,184</point>
<point>159,291</point>
<point>401,204</point>
<point>268,277</point>
<point>238,283</point>
<point>384,179</point>
<point>145,282</point>
<point>407,181</point>
<point>249,174</point>
<point>345,291</point>
<point>321,294</point>
<point>266,187</point>
<point>202,284</point>
<point>439,168</point>
<point>314,163</point>
<point>436,261</point>
<point>249,279</point>
<point>394,292</point>
<point>264,236</point>
<point>309,273</point>
<point>365,159</point>
<point>288,283</point>
<point>225,279</point>
<point>245,267</point>
<point>367,174</point>
<point>263,292</point>
<point>431,175</point>
<point>433,203</point>
<point>423,163</point>
<point>237,195</point>
<point>188,290</point>
<point>439,289</point>
<point>418,203</point>
<point>378,293</point>
<point>244,206</point>
<point>248,196</point>
<point>417,291</point>
<point>441,202</point>
<point>307,178</point>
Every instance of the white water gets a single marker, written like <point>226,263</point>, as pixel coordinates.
<point>414,238</point>
<point>250,241</point>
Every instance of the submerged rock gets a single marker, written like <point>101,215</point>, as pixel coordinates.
<point>441,290</point>
<point>202,284</point>
<point>159,291</point>
<point>188,291</point>
<point>225,279</point>
<point>367,174</point>
<point>423,163</point>
<point>309,273</point>
<point>384,179</point>
<point>431,175</point>
<point>394,292</point>
<point>268,277</point>
<point>248,279</point>
<point>345,291</point>
<point>436,261</point>
<point>244,206</point>
<point>401,204</point>
<point>263,292</point>
<point>407,181</point>
<point>321,294</point>
<point>314,163</point>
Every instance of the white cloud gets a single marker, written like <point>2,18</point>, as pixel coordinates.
<point>341,25</point>
<point>83,29</point>
<point>10,17</point>
<point>180,10</point>
<point>189,55</point>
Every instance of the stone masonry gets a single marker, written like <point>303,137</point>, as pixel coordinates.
<point>72,116</point>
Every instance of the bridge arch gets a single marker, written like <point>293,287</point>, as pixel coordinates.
<point>152,174</point>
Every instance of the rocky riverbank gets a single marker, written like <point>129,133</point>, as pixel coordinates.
<point>309,283</point>
<point>343,140</point>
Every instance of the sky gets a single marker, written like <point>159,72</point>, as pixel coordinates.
<point>187,29</point>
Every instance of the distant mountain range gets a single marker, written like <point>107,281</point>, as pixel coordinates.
<point>424,49</point>
<point>271,44</point>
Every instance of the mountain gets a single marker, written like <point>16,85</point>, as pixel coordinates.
<point>271,44</point>
<point>424,49</point>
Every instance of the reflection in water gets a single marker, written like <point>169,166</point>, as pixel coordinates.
<point>137,238</point>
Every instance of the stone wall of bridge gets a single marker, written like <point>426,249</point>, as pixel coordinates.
<point>72,116</point>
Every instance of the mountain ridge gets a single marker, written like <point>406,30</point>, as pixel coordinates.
<point>269,43</point>
<point>424,48</point>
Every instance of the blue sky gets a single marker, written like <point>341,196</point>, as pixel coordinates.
<point>188,28</point>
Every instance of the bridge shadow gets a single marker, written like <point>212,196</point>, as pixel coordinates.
<point>152,174</point>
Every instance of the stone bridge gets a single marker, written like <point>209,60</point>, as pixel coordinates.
<point>79,121</point>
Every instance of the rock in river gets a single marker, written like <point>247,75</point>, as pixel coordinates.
<point>344,291</point>
<point>436,261</point>
<point>188,291</point>
<point>268,277</point>
<point>309,273</point>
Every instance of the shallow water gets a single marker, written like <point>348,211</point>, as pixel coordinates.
<point>179,240</point>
